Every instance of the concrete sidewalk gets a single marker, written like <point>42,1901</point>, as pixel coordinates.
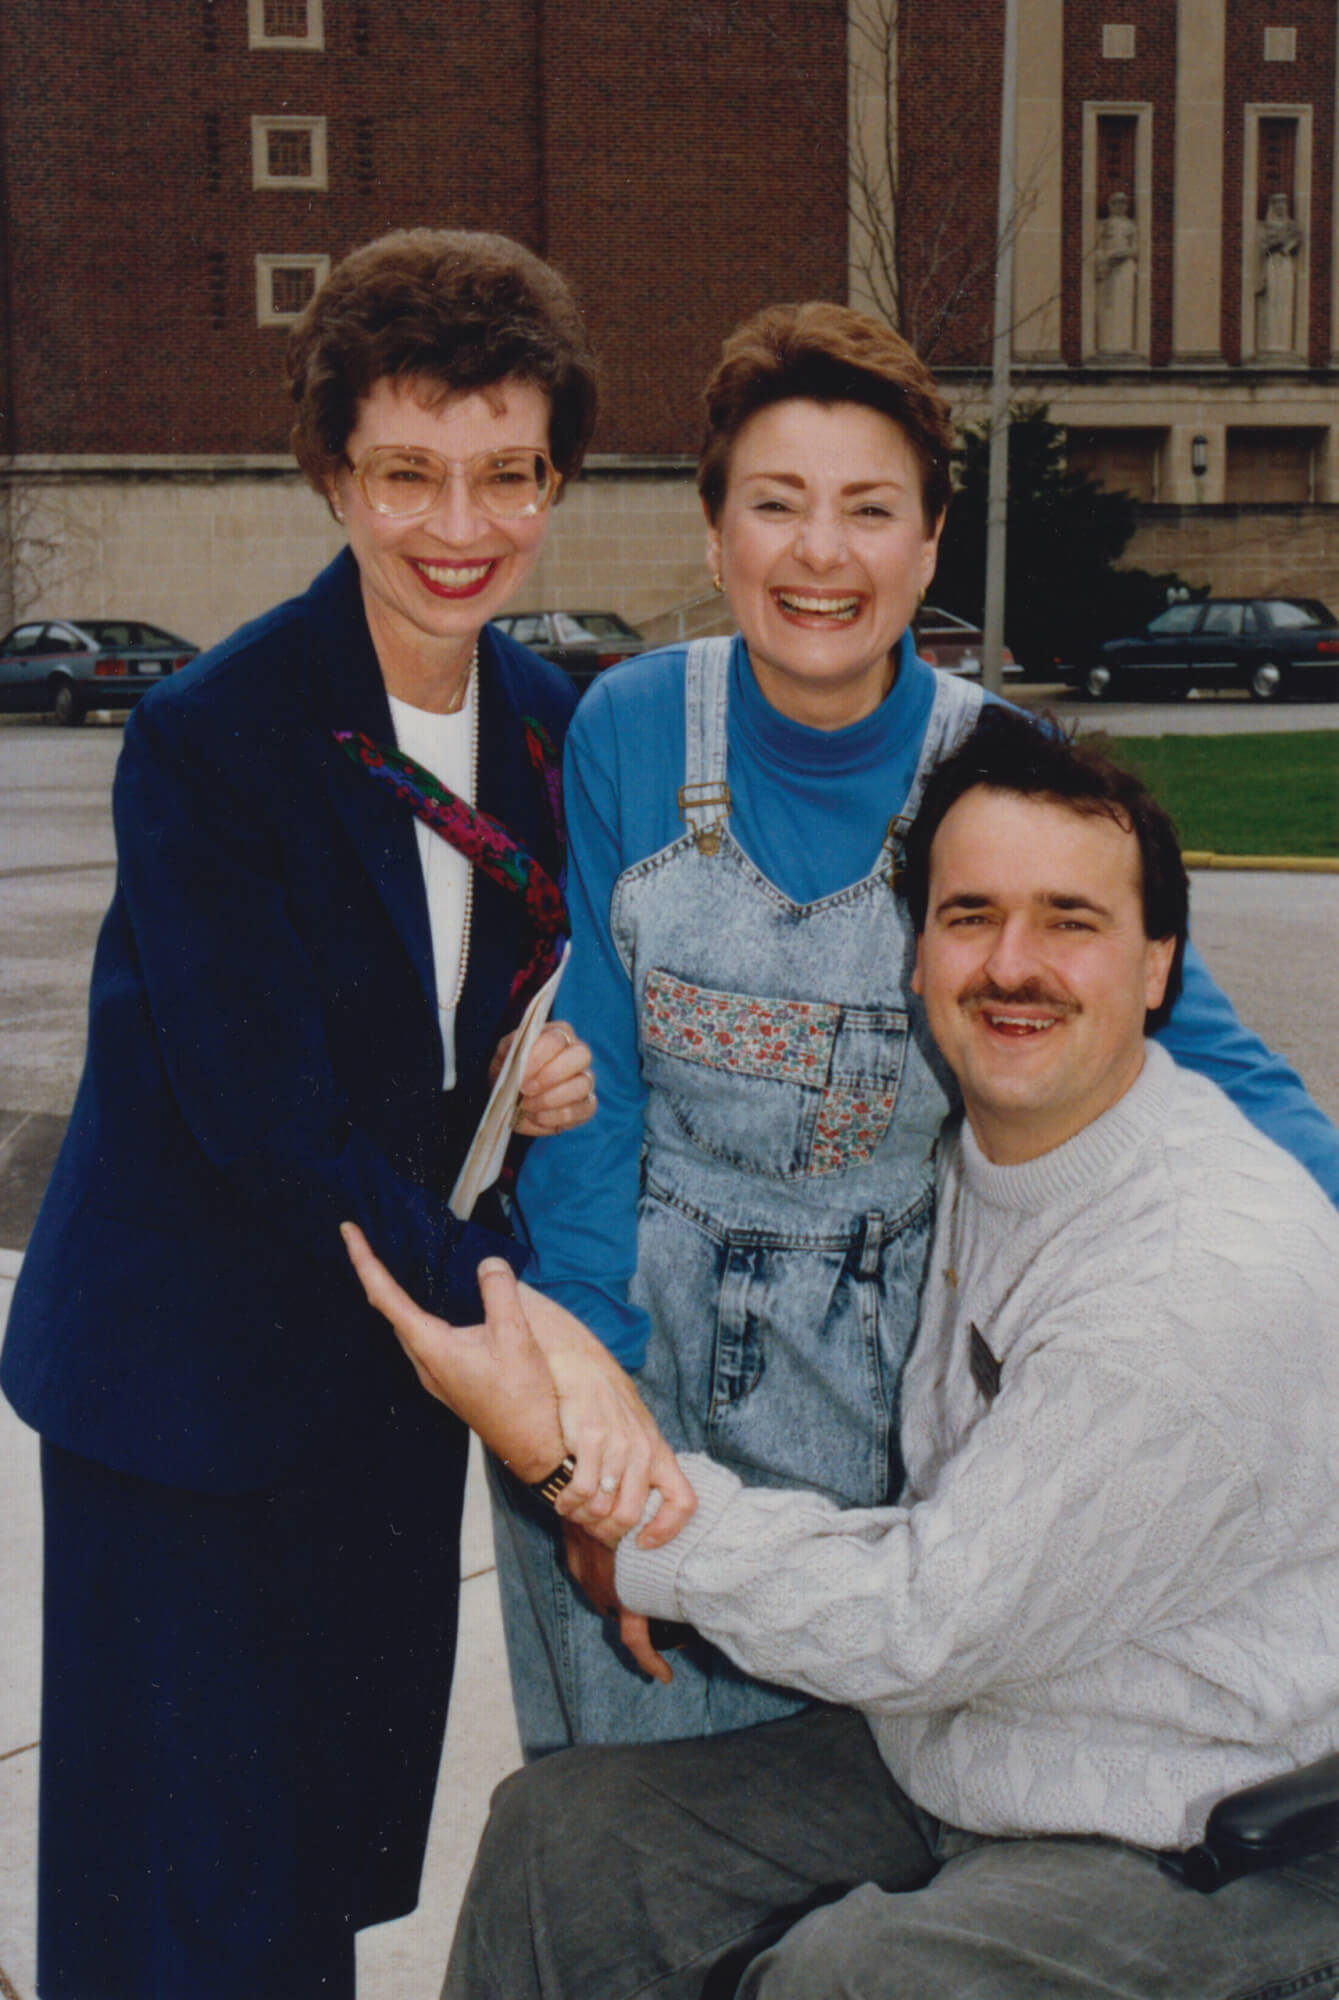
<point>400,1961</point>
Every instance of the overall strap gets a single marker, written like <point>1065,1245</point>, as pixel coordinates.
<point>704,796</point>
<point>953,714</point>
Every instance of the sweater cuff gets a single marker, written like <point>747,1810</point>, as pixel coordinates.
<point>647,1580</point>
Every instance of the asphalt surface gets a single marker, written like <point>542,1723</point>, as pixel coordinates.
<point>1272,940</point>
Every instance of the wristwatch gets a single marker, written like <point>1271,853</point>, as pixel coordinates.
<point>549,1488</point>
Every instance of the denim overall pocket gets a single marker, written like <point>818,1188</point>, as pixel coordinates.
<point>782,1087</point>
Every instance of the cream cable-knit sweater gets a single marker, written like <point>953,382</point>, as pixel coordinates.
<point>1111,1593</point>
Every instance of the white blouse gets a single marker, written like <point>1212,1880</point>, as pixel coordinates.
<point>446,746</point>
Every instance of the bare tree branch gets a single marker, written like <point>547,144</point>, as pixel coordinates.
<point>45,545</point>
<point>922,284</point>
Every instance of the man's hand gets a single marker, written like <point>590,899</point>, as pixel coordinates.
<point>536,1384</point>
<point>557,1089</point>
<point>493,1376</point>
<point>592,1566</point>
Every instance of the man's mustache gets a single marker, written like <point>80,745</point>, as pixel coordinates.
<point>984,992</point>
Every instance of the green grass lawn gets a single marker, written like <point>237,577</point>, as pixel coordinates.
<point>1276,794</point>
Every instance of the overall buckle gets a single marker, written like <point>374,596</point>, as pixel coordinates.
<point>700,798</point>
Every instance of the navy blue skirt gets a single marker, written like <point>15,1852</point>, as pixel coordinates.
<point>242,1715</point>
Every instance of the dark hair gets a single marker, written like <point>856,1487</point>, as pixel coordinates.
<point>1008,752</point>
<point>454,309</point>
<point>824,354</point>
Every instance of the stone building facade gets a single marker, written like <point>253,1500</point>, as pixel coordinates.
<point>1176,291</point>
<point>175,179</point>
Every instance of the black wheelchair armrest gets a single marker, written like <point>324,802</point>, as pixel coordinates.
<point>1283,1819</point>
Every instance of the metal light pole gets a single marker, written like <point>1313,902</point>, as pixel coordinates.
<point>997,500</point>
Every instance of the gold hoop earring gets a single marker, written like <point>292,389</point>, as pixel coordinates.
<point>716,583</point>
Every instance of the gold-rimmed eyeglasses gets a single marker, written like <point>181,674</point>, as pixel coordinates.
<point>405,480</point>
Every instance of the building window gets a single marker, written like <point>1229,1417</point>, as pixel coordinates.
<point>1119,461</point>
<point>1115,159</point>
<point>1280,45</point>
<point>364,158</point>
<point>1271,466</point>
<point>285,284</point>
<point>1118,40</point>
<point>286,24</point>
<point>288,153</point>
<point>1277,172</point>
<point>213,152</point>
<point>216,288</point>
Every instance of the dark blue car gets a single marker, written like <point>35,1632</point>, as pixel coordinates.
<point>1271,646</point>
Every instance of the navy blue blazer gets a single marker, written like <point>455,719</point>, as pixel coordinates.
<point>264,1061</point>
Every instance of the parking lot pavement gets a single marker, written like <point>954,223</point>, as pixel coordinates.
<point>1201,714</point>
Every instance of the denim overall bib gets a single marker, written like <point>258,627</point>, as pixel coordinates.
<point>786,1200</point>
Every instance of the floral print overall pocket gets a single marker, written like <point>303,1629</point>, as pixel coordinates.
<point>783,1087</point>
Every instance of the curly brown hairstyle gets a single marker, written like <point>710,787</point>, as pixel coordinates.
<point>824,353</point>
<point>451,309</point>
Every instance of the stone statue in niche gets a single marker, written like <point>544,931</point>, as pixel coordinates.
<point>1278,244</point>
<point>1117,269</point>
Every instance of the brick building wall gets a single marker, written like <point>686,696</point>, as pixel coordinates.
<point>681,165</point>
<point>695,169</point>
<point>949,79</point>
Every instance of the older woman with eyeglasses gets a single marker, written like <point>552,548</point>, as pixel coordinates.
<point>340,867</point>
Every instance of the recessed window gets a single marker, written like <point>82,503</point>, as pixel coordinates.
<point>288,153</point>
<point>285,284</point>
<point>1273,466</point>
<point>286,24</point>
<point>1280,45</point>
<point>1118,40</point>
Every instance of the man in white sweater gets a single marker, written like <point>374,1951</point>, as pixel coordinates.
<point>1109,1593</point>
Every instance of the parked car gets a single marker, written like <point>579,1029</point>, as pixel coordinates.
<point>1271,646</point>
<point>583,643</point>
<point>68,666</point>
<point>949,642</point>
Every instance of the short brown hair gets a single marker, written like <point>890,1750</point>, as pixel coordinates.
<point>455,309</point>
<point>1008,751</point>
<point>824,354</point>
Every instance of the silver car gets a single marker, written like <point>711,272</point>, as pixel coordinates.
<point>65,667</point>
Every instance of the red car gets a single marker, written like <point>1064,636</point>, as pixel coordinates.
<point>949,642</point>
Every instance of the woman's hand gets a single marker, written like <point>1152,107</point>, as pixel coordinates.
<point>621,1456</point>
<point>557,1090</point>
<point>493,1376</point>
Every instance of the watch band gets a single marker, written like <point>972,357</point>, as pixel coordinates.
<point>549,1488</point>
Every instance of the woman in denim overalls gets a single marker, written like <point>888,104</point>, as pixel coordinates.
<point>746,1221</point>
<point>789,1098</point>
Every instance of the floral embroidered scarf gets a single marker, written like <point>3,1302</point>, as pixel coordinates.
<point>486,842</point>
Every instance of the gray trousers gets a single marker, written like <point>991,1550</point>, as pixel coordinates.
<point>783,1863</point>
